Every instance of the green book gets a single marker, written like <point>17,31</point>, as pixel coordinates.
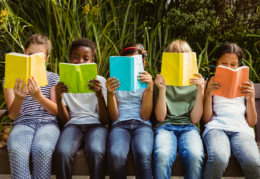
<point>76,76</point>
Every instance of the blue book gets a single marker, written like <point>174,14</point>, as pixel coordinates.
<point>126,70</point>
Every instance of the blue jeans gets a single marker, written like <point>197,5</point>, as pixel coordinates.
<point>137,137</point>
<point>94,137</point>
<point>187,139</point>
<point>219,144</point>
<point>37,137</point>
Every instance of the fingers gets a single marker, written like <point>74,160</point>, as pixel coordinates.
<point>16,84</point>
<point>35,82</point>
<point>112,81</point>
<point>20,85</point>
<point>95,81</point>
<point>25,88</point>
<point>144,72</point>
<point>212,79</point>
<point>31,83</point>
<point>248,84</point>
<point>199,75</point>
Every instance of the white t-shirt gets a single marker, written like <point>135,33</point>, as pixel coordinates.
<point>83,107</point>
<point>229,115</point>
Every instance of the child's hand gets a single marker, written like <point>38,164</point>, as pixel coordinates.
<point>97,87</point>
<point>145,77</point>
<point>199,82</point>
<point>60,88</point>
<point>34,89</point>
<point>160,82</point>
<point>212,86</point>
<point>19,92</point>
<point>248,90</point>
<point>112,84</point>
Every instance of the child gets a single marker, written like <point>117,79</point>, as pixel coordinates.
<point>35,128</point>
<point>178,109</point>
<point>229,121</point>
<point>130,112</point>
<point>84,116</point>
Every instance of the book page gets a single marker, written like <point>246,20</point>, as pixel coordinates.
<point>138,67</point>
<point>120,67</point>
<point>38,69</point>
<point>68,75</point>
<point>86,72</point>
<point>189,67</point>
<point>16,66</point>
<point>242,76</point>
<point>172,68</point>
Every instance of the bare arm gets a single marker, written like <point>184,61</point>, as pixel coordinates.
<point>160,109</point>
<point>14,99</point>
<point>103,111</point>
<point>63,111</point>
<point>147,102</point>
<point>251,115</point>
<point>112,84</point>
<point>207,108</point>
<point>48,104</point>
<point>197,111</point>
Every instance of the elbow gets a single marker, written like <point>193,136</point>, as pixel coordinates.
<point>145,117</point>
<point>160,118</point>
<point>12,116</point>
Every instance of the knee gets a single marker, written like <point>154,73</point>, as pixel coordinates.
<point>95,151</point>
<point>61,154</point>
<point>42,151</point>
<point>219,158</point>
<point>18,152</point>
<point>116,159</point>
<point>252,166</point>
<point>143,157</point>
<point>195,156</point>
<point>162,158</point>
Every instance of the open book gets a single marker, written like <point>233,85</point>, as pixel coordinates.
<point>23,67</point>
<point>76,76</point>
<point>230,81</point>
<point>178,68</point>
<point>126,70</point>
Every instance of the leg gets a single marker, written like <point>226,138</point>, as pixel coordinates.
<point>218,149</point>
<point>43,145</point>
<point>141,148</point>
<point>66,148</point>
<point>95,150</point>
<point>19,146</point>
<point>117,149</point>
<point>191,152</point>
<point>165,149</point>
<point>246,151</point>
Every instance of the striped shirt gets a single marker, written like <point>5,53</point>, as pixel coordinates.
<point>31,109</point>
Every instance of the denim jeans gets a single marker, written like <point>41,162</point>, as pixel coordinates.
<point>187,140</point>
<point>38,138</point>
<point>137,137</point>
<point>219,144</point>
<point>94,137</point>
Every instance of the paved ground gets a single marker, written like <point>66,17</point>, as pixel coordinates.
<point>84,177</point>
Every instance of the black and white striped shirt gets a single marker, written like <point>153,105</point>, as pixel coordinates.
<point>31,109</point>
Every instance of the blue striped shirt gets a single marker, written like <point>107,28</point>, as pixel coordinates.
<point>31,109</point>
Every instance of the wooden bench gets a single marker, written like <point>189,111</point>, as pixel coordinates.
<point>80,166</point>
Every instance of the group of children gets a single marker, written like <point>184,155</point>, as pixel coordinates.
<point>178,110</point>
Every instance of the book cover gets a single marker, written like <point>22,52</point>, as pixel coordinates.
<point>230,81</point>
<point>178,68</point>
<point>23,67</point>
<point>126,70</point>
<point>76,76</point>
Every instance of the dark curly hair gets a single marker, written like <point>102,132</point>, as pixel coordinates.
<point>227,48</point>
<point>83,42</point>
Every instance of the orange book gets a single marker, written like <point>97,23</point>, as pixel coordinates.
<point>230,81</point>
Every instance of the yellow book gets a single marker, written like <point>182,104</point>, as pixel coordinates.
<point>178,68</point>
<point>24,66</point>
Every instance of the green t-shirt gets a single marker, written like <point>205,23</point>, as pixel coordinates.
<point>180,101</point>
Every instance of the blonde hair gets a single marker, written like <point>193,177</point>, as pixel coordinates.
<point>178,46</point>
<point>39,40</point>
